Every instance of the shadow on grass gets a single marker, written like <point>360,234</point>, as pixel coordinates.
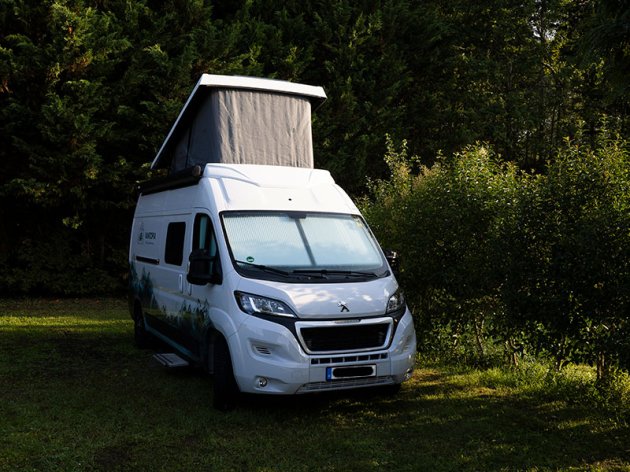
<point>82,399</point>
<point>433,424</point>
<point>435,427</point>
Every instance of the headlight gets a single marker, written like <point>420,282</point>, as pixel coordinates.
<point>255,304</point>
<point>396,302</point>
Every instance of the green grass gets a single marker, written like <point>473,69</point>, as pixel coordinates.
<point>76,395</point>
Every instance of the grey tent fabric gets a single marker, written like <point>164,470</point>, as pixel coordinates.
<point>180,153</point>
<point>248,127</point>
<point>247,120</point>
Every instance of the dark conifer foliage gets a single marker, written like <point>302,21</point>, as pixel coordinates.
<point>89,89</point>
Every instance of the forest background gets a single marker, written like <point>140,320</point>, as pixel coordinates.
<point>485,141</point>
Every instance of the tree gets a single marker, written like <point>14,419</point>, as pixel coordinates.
<point>90,90</point>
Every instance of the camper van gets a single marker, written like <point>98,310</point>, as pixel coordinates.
<point>248,262</point>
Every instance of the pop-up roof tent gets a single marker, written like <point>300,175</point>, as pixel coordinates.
<point>242,120</point>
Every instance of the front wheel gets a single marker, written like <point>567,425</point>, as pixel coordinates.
<point>225,389</point>
<point>391,389</point>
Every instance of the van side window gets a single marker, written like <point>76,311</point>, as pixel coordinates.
<point>205,242</point>
<point>203,235</point>
<point>174,252</point>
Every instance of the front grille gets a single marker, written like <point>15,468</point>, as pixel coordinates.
<point>331,337</point>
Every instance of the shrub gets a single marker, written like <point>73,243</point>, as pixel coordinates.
<point>444,220</point>
<point>496,261</point>
<point>568,279</point>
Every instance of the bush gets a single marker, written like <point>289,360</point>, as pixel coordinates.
<point>497,262</point>
<point>445,222</point>
<point>59,264</point>
<point>568,279</point>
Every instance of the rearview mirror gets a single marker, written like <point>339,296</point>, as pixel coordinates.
<point>203,268</point>
<point>392,259</point>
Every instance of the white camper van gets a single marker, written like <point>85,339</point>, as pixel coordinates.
<point>247,261</point>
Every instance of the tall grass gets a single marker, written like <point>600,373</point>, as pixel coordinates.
<point>539,379</point>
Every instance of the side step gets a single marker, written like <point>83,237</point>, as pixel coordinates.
<point>170,360</point>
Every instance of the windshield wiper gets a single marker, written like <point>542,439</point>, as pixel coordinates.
<point>264,267</point>
<point>326,272</point>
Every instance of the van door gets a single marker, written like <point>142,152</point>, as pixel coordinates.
<point>167,315</point>
<point>200,298</point>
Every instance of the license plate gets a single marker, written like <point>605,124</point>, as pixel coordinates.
<point>350,372</point>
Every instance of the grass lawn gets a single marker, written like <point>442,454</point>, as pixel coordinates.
<point>76,395</point>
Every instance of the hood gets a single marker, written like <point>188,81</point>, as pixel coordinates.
<point>335,300</point>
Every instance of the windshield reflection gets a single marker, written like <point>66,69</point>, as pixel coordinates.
<point>268,244</point>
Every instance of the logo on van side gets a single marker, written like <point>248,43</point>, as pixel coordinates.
<point>148,236</point>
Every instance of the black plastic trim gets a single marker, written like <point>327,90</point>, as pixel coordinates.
<point>148,260</point>
<point>183,178</point>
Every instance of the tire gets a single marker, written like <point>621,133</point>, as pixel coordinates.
<point>141,338</point>
<point>391,390</point>
<point>224,388</point>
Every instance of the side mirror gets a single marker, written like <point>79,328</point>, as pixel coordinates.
<point>392,259</point>
<point>203,268</point>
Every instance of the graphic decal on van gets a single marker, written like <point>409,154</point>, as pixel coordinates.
<point>192,316</point>
<point>196,316</point>
<point>142,286</point>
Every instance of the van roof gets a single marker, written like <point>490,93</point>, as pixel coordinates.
<point>208,82</point>
<point>249,187</point>
<point>262,187</point>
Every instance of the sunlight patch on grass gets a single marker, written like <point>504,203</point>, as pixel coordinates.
<point>29,322</point>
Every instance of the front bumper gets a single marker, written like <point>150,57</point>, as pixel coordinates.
<point>267,358</point>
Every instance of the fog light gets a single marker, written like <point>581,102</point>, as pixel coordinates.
<point>408,374</point>
<point>262,382</point>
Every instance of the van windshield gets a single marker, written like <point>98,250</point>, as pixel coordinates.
<point>300,245</point>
